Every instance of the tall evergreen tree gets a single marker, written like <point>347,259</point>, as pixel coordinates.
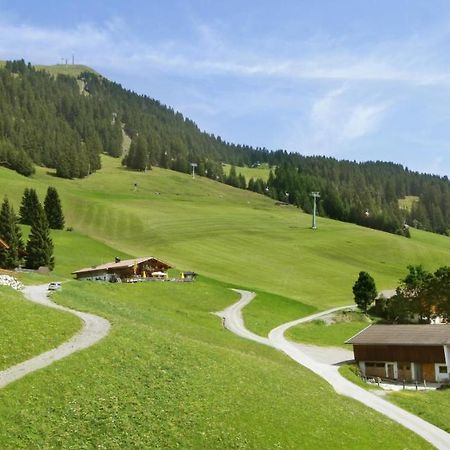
<point>29,206</point>
<point>40,245</point>
<point>364,291</point>
<point>10,233</point>
<point>53,209</point>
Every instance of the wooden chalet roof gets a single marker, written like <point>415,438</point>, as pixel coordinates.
<point>125,264</point>
<point>403,335</point>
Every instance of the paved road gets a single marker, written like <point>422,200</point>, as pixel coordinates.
<point>94,328</point>
<point>329,372</point>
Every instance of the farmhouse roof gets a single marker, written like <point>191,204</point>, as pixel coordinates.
<point>403,335</point>
<point>126,263</point>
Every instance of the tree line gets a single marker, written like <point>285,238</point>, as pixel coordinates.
<point>38,250</point>
<point>421,296</point>
<point>65,123</point>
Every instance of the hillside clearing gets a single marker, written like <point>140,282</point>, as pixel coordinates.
<point>250,172</point>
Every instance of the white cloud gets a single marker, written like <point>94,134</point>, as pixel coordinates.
<point>363,120</point>
<point>112,45</point>
<point>350,95</point>
<point>336,118</point>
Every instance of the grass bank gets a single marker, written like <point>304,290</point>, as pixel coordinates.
<point>168,375</point>
<point>28,329</point>
<point>266,311</point>
<point>332,332</point>
<point>228,234</point>
<point>433,406</point>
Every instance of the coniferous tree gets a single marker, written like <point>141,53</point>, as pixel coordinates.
<point>11,235</point>
<point>364,291</point>
<point>40,245</point>
<point>29,206</point>
<point>138,157</point>
<point>53,209</point>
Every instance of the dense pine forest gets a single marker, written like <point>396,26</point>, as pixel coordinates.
<point>65,123</point>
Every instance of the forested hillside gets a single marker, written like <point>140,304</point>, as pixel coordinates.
<point>62,122</point>
<point>365,193</point>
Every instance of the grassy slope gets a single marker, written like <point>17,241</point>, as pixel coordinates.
<point>250,172</point>
<point>407,202</point>
<point>227,234</point>
<point>231,235</point>
<point>351,372</point>
<point>28,329</point>
<point>72,251</point>
<point>432,406</point>
<point>66,69</point>
<point>335,334</point>
<point>168,375</point>
<point>63,69</point>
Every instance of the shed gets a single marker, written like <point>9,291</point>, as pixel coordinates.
<point>404,352</point>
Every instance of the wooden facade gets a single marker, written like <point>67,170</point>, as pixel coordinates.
<point>404,352</point>
<point>138,268</point>
<point>417,353</point>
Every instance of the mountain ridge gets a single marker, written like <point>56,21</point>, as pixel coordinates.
<point>45,121</point>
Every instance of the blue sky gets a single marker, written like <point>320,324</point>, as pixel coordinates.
<point>357,80</point>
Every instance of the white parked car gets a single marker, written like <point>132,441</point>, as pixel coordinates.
<point>54,286</point>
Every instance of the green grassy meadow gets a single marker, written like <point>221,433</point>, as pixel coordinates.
<point>318,332</point>
<point>350,371</point>
<point>407,202</point>
<point>64,69</point>
<point>169,376</point>
<point>72,251</point>
<point>266,311</point>
<point>432,406</point>
<point>28,329</point>
<point>231,235</point>
<point>250,172</point>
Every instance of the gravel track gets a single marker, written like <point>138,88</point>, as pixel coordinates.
<point>94,329</point>
<point>314,358</point>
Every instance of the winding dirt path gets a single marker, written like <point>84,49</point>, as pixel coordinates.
<point>94,328</point>
<point>329,372</point>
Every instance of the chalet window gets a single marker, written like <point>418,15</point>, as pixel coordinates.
<point>375,364</point>
<point>442,369</point>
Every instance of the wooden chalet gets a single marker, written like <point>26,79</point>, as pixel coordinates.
<point>404,352</point>
<point>136,268</point>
